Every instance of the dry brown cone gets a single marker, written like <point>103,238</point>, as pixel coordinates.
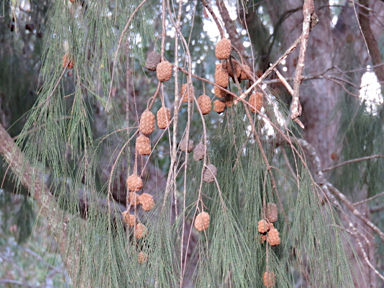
<point>263,238</point>
<point>269,279</point>
<point>205,104</point>
<point>210,173</point>
<point>143,145</point>
<point>186,146</point>
<point>153,59</point>
<point>199,152</point>
<point>133,198</point>
<point>223,49</point>
<point>221,76</point>
<point>273,237</point>
<point>140,231</point>
<point>164,71</point>
<point>142,257</point>
<point>147,122</point>
<point>256,100</point>
<point>163,117</point>
<point>263,226</point>
<point>187,93</point>
<point>129,218</point>
<point>271,212</point>
<point>134,182</point>
<point>202,221</point>
<point>228,67</point>
<point>219,93</point>
<point>67,62</point>
<point>146,201</point>
<point>245,73</point>
<point>218,106</point>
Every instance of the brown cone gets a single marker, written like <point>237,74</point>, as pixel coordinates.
<point>146,201</point>
<point>129,218</point>
<point>153,59</point>
<point>263,226</point>
<point>164,71</point>
<point>142,257</point>
<point>163,117</point>
<point>218,106</point>
<point>140,231</point>
<point>273,237</point>
<point>271,212</point>
<point>134,183</point>
<point>269,279</point>
<point>228,100</point>
<point>186,93</point>
<point>202,221</point>
<point>221,76</point>
<point>133,198</point>
<point>228,67</point>
<point>143,145</point>
<point>245,73</point>
<point>223,49</point>
<point>147,122</point>
<point>219,93</point>
<point>186,147</point>
<point>256,100</point>
<point>199,152</point>
<point>210,173</point>
<point>205,104</point>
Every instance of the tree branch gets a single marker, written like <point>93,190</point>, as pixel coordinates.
<point>353,161</point>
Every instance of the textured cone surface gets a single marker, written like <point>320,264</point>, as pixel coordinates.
<point>199,152</point>
<point>205,104</point>
<point>263,226</point>
<point>202,221</point>
<point>219,93</point>
<point>163,117</point>
<point>245,73</point>
<point>164,71</point>
<point>256,100</point>
<point>221,76</point>
<point>228,67</point>
<point>223,49</point>
<point>210,173</point>
<point>218,106</point>
<point>129,218</point>
<point>134,183</point>
<point>273,237</point>
<point>271,212</point>
<point>146,201</point>
<point>140,231</point>
<point>152,61</point>
<point>143,145</point>
<point>142,257</point>
<point>187,93</point>
<point>133,198</point>
<point>269,279</point>
<point>186,146</point>
<point>147,122</point>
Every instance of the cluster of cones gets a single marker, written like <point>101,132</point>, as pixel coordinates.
<point>266,228</point>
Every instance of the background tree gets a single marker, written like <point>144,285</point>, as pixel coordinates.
<point>74,109</point>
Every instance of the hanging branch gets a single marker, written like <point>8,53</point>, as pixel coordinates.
<point>353,161</point>
<point>308,10</point>
<point>221,30</point>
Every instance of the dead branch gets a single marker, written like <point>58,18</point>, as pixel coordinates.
<point>221,30</point>
<point>353,161</point>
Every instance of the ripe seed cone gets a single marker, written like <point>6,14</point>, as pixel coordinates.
<point>163,118</point>
<point>223,49</point>
<point>199,152</point>
<point>245,73</point>
<point>221,76</point>
<point>205,104</point>
<point>142,257</point>
<point>273,237</point>
<point>187,93</point>
<point>210,173</point>
<point>263,226</point>
<point>220,93</point>
<point>146,201</point>
<point>133,198</point>
<point>263,238</point>
<point>186,146</point>
<point>140,231</point>
<point>134,183</point>
<point>202,221</point>
<point>256,100</point>
<point>147,122</point>
<point>129,218</point>
<point>218,106</point>
<point>269,279</point>
<point>228,67</point>
<point>271,212</point>
<point>153,59</point>
<point>164,71</point>
<point>143,145</point>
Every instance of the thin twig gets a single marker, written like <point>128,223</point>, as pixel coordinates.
<point>221,30</point>
<point>368,199</point>
<point>353,161</point>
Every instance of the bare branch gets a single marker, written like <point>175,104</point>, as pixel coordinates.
<point>353,161</point>
<point>369,199</point>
